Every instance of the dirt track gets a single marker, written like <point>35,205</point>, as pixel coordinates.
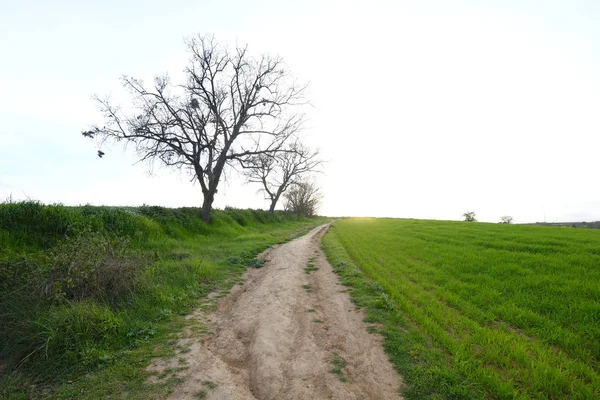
<point>272,338</point>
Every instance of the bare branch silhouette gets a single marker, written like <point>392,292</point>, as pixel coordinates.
<point>276,173</point>
<point>232,108</point>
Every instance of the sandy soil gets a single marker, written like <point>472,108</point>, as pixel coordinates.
<point>264,343</point>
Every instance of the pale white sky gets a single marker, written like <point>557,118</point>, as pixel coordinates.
<point>424,109</point>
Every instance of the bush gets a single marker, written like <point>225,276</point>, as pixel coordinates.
<point>18,271</point>
<point>92,265</point>
<point>257,262</point>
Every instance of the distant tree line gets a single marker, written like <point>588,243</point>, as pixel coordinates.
<point>470,216</point>
<point>584,224</point>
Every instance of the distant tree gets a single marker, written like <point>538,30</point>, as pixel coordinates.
<point>277,172</point>
<point>469,216</point>
<point>231,107</point>
<point>303,198</point>
<point>506,219</point>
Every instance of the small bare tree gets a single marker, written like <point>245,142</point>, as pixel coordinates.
<point>506,219</point>
<point>230,108</point>
<point>303,198</point>
<point>469,216</point>
<point>276,173</point>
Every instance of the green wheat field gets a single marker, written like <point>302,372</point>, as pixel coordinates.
<point>476,310</point>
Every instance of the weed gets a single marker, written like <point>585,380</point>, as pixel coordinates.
<point>201,394</point>
<point>234,260</point>
<point>257,262</point>
<point>308,288</point>
<point>310,268</point>
<point>209,384</point>
<point>311,310</point>
<point>338,367</point>
<point>378,287</point>
<point>318,321</point>
<point>165,373</point>
<point>179,255</point>
<point>140,334</point>
<point>340,266</point>
<point>174,380</point>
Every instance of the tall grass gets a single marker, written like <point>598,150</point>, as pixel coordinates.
<point>83,287</point>
<point>479,310</point>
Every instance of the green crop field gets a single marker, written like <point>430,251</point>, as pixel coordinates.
<point>475,310</point>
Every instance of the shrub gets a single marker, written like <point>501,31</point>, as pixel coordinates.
<point>257,263</point>
<point>92,265</point>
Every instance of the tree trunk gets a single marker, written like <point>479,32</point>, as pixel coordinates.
<point>274,200</point>
<point>209,197</point>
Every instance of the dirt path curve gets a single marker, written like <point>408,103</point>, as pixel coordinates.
<point>275,338</point>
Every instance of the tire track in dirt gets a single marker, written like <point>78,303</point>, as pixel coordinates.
<point>274,338</point>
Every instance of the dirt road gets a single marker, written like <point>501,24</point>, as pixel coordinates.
<point>289,332</point>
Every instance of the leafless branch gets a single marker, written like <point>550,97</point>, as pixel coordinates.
<point>232,108</point>
<point>277,172</point>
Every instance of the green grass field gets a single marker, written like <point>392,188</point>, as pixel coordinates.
<point>89,295</point>
<point>475,310</point>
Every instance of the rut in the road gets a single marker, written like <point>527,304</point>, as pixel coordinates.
<point>275,337</point>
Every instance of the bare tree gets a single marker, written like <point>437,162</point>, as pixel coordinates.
<point>276,173</point>
<point>303,198</point>
<point>506,219</point>
<point>232,107</point>
<point>469,216</point>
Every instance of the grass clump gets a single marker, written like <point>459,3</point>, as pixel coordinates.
<point>257,262</point>
<point>338,368</point>
<point>310,268</point>
<point>209,384</point>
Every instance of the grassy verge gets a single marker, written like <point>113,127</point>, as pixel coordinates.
<point>471,311</point>
<point>89,295</point>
